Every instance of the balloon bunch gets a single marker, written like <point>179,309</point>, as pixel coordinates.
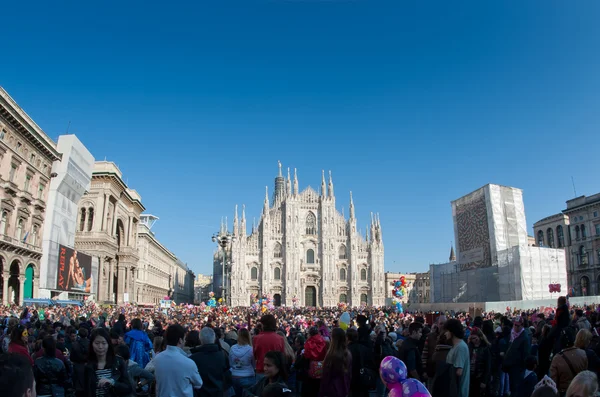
<point>398,292</point>
<point>393,373</point>
<point>211,302</point>
<point>265,303</point>
<point>342,306</point>
<point>295,301</point>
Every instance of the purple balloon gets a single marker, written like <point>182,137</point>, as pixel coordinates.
<point>413,388</point>
<point>396,391</point>
<point>392,371</point>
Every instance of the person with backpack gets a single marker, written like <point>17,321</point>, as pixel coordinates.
<point>410,354</point>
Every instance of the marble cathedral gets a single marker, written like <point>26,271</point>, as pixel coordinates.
<point>305,251</point>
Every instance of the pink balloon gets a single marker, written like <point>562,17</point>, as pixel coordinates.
<point>396,391</point>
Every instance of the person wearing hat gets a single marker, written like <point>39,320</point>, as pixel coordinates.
<point>518,350</point>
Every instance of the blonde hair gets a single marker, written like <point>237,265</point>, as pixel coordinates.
<point>583,339</point>
<point>585,384</point>
<point>244,337</point>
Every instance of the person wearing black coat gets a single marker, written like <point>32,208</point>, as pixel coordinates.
<point>212,364</point>
<point>362,358</point>
<point>104,369</point>
<point>514,359</point>
<point>481,374</point>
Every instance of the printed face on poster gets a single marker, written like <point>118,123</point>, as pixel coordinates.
<point>74,271</point>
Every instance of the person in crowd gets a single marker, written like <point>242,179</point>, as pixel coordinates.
<point>120,325</point>
<point>105,373</point>
<point>315,350</point>
<point>585,384</point>
<point>337,367</point>
<point>192,340</point>
<point>364,331</point>
<point>139,377</point>
<point>176,375</point>
<point>362,359</point>
<point>458,356</point>
<point>290,358</point>
<point>241,361</point>
<point>212,364</point>
<point>16,376</point>
<point>568,362</point>
<point>581,321</point>
<point>276,390</point>
<point>545,388</point>
<point>528,385</point>
<point>481,363</point>
<point>139,343</point>
<point>231,338</point>
<point>518,350</point>
<point>266,341</point>
<point>429,348</point>
<point>275,372</point>
<point>562,319</point>
<point>409,352</point>
<point>159,344</point>
<point>582,341</point>
<point>49,371</point>
<point>546,344</point>
<point>18,342</point>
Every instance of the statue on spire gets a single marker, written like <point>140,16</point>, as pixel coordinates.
<point>351,206</point>
<point>323,186</point>
<point>295,183</point>
<point>279,164</point>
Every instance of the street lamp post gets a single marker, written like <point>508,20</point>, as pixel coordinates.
<point>223,238</point>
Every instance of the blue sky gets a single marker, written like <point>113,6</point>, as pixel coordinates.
<point>410,104</point>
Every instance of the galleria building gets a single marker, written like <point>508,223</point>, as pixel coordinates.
<point>304,252</point>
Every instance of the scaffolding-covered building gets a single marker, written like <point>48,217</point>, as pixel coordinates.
<point>494,261</point>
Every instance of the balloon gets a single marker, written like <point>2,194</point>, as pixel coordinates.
<point>344,321</point>
<point>392,370</point>
<point>396,391</point>
<point>413,388</point>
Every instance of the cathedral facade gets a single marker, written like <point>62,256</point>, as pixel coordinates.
<point>304,252</point>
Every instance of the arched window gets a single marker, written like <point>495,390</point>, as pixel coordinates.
<point>82,220</point>
<point>342,252</point>
<point>343,298</point>
<point>585,286</point>
<point>311,224</point>
<point>19,232</point>
<point>577,237</point>
<point>560,236</point>
<point>277,251</point>
<point>540,238</point>
<point>550,237</point>
<point>583,233</point>
<point>277,273</point>
<point>3,222</point>
<point>582,255</point>
<point>90,220</point>
<point>310,256</point>
<point>254,274</point>
<point>342,274</point>
<point>363,299</point>
<point>363,274</point>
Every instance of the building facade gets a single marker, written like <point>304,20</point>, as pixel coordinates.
<point>577,231</point>
<point>183,282</point>
<point>26,158</point>
<point>305,248</point>
<point>107,223</point>
<point>154,270</point>
<point>202,287</point>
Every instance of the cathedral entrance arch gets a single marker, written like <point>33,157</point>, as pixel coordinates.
<point>277,300</point>
<point>310,297</point>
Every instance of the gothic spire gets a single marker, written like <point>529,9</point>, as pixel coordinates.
<point>289,184</point>
<point>351,207</point>
<point>452,254</point>
<point>295,183</point>
<point>243,223</point>
<point>330,185</point>
<point>266,206</point>
<point>279,164</point>
<point>323,186</point>
<point>235,221</point>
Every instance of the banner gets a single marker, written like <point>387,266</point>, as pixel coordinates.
<point>74,271</point>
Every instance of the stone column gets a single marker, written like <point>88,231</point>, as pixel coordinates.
<point>103,225</point>
<point>129,232</point>
<point>121,287</point>
<point>111,279</point>
<point>36,286</point>
<point>5,277</point>
<point>21,288</point>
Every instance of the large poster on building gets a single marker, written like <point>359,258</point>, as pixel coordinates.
<point>74,271</point>
<point>472,230</point>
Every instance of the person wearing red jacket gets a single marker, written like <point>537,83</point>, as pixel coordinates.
<point>266,341</point>
<point>314,353</point>
<point>18,342</point>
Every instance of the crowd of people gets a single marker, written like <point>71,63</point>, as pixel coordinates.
<point>200,351</point>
